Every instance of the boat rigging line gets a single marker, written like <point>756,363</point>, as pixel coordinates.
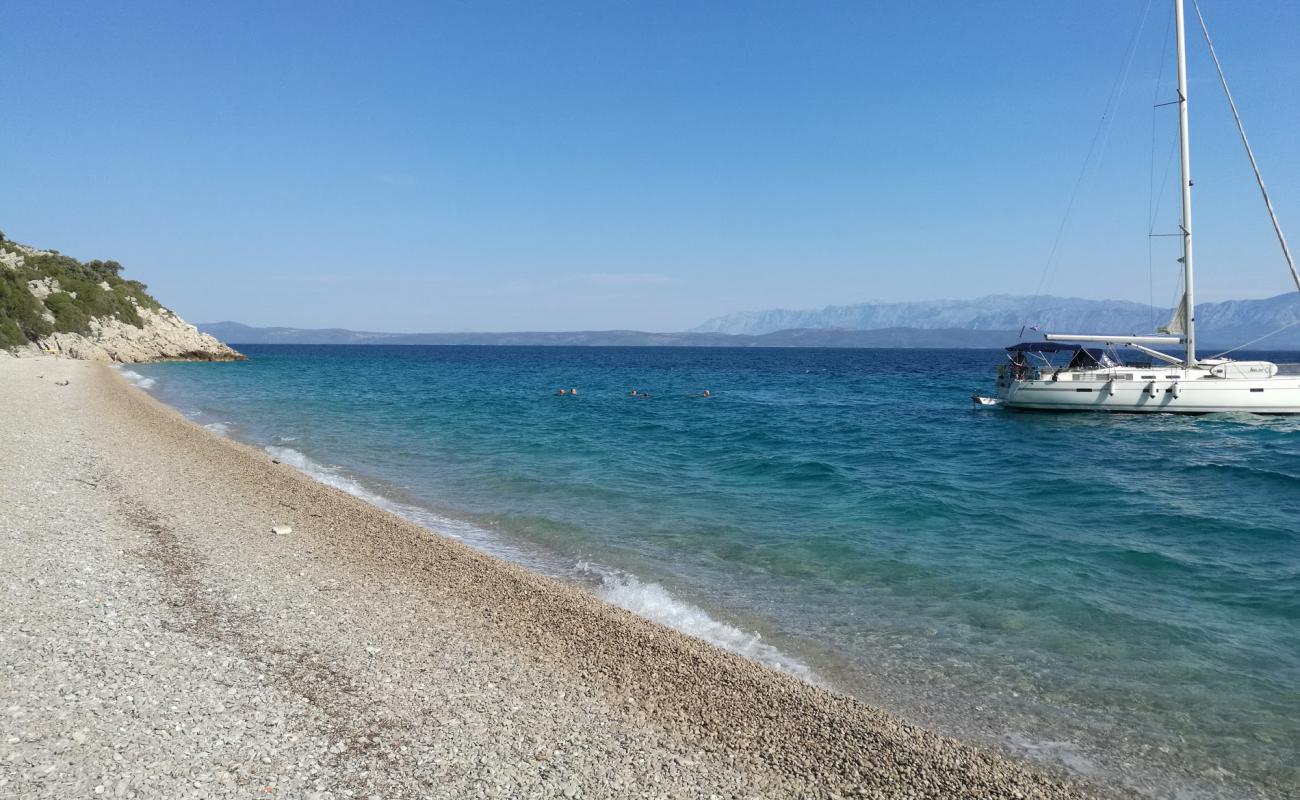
<point>1101,134</point>
<point>1290,324</point>
<point>1277,227</point>
<point>1153,204</point>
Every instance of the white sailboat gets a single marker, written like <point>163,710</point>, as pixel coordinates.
<point>1093,379</point>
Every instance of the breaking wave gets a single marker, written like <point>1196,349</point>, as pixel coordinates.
<point>649,600</point>
<point>136,378</point>
<point>653,601</point>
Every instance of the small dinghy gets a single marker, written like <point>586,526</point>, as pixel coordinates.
<point>984,400</point>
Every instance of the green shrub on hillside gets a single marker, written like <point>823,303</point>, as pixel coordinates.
<point>82,296</point>
<point>68,316</point>
<point>10,336</point>
<point>21,319</point>
<point>140,292</point>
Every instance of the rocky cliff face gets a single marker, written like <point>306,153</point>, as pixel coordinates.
<point>163,337</point>
<point>54,304</point>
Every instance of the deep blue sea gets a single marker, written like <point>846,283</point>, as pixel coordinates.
<point>1118,594</point>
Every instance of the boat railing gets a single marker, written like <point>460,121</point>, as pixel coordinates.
<point>1105,374</point>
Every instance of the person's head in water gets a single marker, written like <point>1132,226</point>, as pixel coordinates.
<point>706,393</point>
<point>573,391</point>
<point>561,392</point>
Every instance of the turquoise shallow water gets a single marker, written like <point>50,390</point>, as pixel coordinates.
<point>1118,594</point>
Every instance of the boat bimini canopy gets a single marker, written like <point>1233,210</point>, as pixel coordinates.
<point>1135,342</point>
<point>1047,347</point>
<point>1083,358</point>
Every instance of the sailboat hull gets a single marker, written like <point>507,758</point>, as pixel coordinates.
<point>1174,391</point>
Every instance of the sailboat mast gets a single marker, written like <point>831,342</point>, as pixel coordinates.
<point>1189,305</point>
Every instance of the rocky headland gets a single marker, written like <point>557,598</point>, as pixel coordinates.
<point>53,304</point>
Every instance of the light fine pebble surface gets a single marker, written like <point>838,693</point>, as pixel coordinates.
<point>158,640</point>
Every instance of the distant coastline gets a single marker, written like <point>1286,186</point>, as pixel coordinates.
<point>988,322</point>
<point>890,338</point>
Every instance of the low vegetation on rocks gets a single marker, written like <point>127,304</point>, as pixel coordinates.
<point>52,303</point>
<point>44,292</point>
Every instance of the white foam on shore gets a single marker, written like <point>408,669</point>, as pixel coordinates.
<point>1067,753</point>
<point>653,601</point>
<point>219,428</point>
<point>325,475</point>
<point>457,529</point>
<point>649,600</point>
<point>136,378</point>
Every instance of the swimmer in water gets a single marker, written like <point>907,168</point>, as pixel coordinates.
<point>561,392</point>
<point>573,392</point>
<point>706,393</point>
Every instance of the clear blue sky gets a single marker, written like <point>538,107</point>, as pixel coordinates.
<point>557,165</point>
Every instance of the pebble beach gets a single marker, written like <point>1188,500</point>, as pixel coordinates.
<point>183,616</point>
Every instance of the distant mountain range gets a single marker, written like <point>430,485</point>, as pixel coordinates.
<point>1228,320</point>
<point>992,321</point>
